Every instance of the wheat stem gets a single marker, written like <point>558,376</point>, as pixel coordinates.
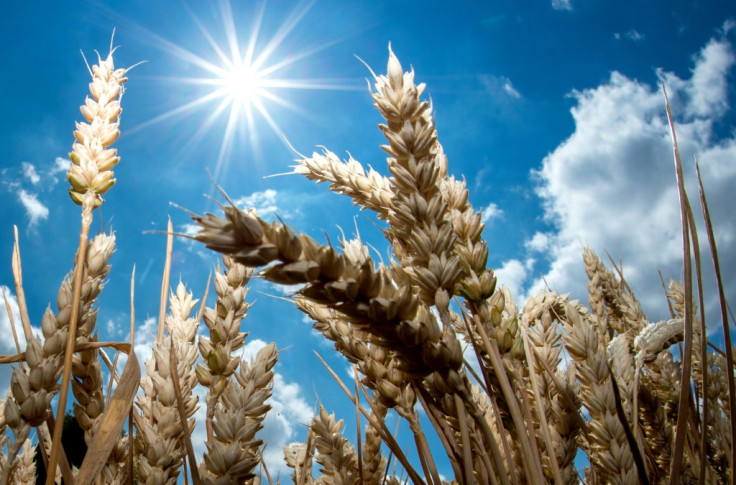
<point>71,337</point>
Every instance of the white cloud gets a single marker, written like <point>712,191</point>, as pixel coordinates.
<point>561,5</point>
<point>189,229</point>
<point>34,208</point>
<point>490,212</point>
<point>145,336</point>
<point>289,411</point>
<point>263,202</point>
<point>538,243</point>
<point>632,35</point>
<point>498,87</point>
<point>60,165</point>
<point>7,344</point>
<point>510,90</point>
<point>29,171</point>
<point>513,274</point>
<point>611,184</point>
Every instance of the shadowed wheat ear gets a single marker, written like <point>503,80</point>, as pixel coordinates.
<point>334,453</point>
<point>233,453</point>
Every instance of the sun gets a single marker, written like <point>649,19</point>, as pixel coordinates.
<point>243,83</point>
<point>241,79</point>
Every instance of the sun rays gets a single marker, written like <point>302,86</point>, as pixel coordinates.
<point>238,80</point>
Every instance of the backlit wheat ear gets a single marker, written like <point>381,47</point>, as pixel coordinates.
<point>90,174</point>
<point>374,463</point>
<point>370,191</point>
<point>159,442</point>
<point>32,388</point>
<point>298,456</point>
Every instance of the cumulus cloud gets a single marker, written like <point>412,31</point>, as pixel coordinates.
<point>34,208</point>
<point>538,243</point>
<point>632,35</point>
<point>263,202</point>
<point>611,184</point>
<point>562,5</point>
<point>513,273</point>
<point>490,212</point>
<point>60,165</point>
<point>29,172</point>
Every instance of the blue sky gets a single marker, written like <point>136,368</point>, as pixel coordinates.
<point>550,109</point>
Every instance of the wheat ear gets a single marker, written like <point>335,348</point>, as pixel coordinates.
<point>334,453</point>
<point>90,176</point>
<point>610,455</point>
<point>298,456</point>
<point>86,371</point>
<point>223,322</point>
<point>159,441</point>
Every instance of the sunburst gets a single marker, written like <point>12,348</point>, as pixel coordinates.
<point>243,81</point>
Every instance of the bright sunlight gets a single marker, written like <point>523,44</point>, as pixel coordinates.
<point>243,78</point>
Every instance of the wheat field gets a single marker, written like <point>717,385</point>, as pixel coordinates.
<point>515,391</point>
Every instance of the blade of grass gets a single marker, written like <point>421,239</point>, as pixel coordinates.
<point>534,474</point>
<point>165,281</point>
<point>302,467</point>
<point>111,422</point>
<point>131,441</point>
<point>633,445</point>
<point>19,292</point>
<point>724,318</point>
<point>186,438</point>
<point>265,470</point>
<point>703,338</point>
<point>495,452</point>
<point>444,432</point>
<point>358,432</point>
<point>683,408</point>
<point>465,439</point>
